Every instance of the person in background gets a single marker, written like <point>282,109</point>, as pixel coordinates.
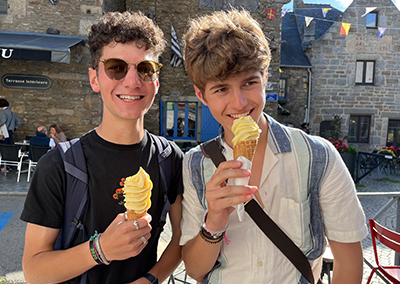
<point>299,180</point>
<point>124,49</point>
<point>8,118</point>
<point>41,138</point>
<point>56,133</point>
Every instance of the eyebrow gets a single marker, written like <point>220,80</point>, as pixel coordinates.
<point>222,85</point>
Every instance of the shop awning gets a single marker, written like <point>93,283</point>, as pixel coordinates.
<point>37,47</point>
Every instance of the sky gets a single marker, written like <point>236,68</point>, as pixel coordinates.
<point>338,4</point>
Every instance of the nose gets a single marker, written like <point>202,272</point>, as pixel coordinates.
<point>238,99</point>
<point>132,78</point>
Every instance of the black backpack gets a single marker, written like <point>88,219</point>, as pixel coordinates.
<point>76,197</point>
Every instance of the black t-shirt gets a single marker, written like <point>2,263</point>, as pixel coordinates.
<point>107,164</point>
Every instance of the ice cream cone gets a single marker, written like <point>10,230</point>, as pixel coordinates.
<point>132,215</point>
<point>245,148</point>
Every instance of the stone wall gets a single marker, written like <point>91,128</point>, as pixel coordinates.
<point>334,65</point>
<point>70,101</point>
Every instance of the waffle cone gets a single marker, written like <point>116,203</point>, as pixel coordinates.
<point>132,215</point>
<point>245,148</point>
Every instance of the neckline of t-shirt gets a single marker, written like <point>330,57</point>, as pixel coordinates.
<point>120,147</point>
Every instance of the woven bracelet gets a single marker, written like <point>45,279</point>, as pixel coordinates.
<point>103,258</point>
<point>93,249</point>
<point>210,240</point>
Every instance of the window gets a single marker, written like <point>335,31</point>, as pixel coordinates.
<point>365,72</point>
<point>180,120</point>
<point>359,128</point>
<point>3,6</point>
<point>282,89</point>
<point>372,20</point>
<point>393,138</point>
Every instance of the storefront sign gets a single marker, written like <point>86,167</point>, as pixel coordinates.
<point>18,81</point>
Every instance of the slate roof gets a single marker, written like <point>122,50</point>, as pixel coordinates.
<point>292,47</point>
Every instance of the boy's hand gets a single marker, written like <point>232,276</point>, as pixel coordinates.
<point>122,240</point>
<point>221,197</point>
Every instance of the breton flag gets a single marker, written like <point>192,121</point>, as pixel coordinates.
<point>176,59</point>
<point>344,29</point>
<point>381,32</point>
<point>325,11</point>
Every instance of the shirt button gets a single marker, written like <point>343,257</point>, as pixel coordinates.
<point>260,263</point>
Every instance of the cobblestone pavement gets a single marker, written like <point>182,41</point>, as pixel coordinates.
<point>371,205</point>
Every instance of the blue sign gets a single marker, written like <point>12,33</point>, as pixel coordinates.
<point>272,97</point>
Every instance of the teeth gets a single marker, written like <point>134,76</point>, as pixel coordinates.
<point>129,98</point>
<point>240,115</point>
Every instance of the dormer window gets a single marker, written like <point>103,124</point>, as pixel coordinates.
<point>372,20</point>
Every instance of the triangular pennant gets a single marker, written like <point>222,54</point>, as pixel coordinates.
<point>308,20</point>
<point>344,29</point>
<point>176,59</point>
<point>270,14</point>
<point>284,11</point>
<point>368,10</point>
<point>381,32</point>
<point>325,11</point>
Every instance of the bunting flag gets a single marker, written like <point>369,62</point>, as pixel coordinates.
<point>308,20</point>
<point>368,10</point>
<point>270,14</point>
<point>325,11</point>
<point>284,11</point>
<point>381,32</point>
<point>344,29</point>
<point>176,59</point>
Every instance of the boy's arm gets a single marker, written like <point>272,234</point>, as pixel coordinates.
<point>120,241</point>
<point>171,257</point>
<point>347,263</point>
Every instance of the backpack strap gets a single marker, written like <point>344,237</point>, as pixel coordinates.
<point>212,149</point>
<point>165,167</point>
<point>76,192</point>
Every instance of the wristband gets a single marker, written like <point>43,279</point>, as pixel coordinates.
<point>152,279</point>
<point>209,239</point>
<point>103,258</point>
<point>213,234</point>
<point>93,249</point>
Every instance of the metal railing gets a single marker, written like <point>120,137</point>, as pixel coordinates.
<point>368,162</point>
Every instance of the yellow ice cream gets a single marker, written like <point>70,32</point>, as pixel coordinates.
<point>245,128</point>
<point>137,192</point>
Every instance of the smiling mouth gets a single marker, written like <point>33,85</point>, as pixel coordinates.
<point>240,115</point>
<point>129,98</point>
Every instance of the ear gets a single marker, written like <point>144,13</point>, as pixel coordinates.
<point>157,86</point>
<point>199,95</point>
<point>93,80</point>
<point>265,78</point>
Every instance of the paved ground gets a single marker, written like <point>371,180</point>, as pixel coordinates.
<point>12,196</point>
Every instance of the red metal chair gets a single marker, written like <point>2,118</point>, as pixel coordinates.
<point>391,240</point>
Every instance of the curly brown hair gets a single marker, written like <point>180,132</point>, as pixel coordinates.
<point>125,27</point>
<point>223,44</point>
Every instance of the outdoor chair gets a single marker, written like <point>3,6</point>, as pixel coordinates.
<point>11,155</point>
<point>35,153</point>
<point>391,240</point>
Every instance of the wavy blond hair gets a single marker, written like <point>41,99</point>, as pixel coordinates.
<point>224,44</point>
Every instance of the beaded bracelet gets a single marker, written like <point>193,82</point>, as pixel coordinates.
<point>214,234</point>
<point>210,240</point>
<point>93,249</point>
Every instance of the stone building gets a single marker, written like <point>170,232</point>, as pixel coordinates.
<point>356,75</point>
<point>69,101</point>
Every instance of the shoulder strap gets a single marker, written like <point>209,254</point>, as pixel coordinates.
<point>76,195</point>
<point>165,167</point>
<point>212,149</point>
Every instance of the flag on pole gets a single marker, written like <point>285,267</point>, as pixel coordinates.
<point>325,11</point>
<point>344,29</point>
<point>176,59</point>
<point>368,10</point>
<point>381,32</point>
<point>308,20</point>
<point>270,14</point>
<point>284,11</point>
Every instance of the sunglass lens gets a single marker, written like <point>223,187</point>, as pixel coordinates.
<point>147,71</point>
<point>116,69</point>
